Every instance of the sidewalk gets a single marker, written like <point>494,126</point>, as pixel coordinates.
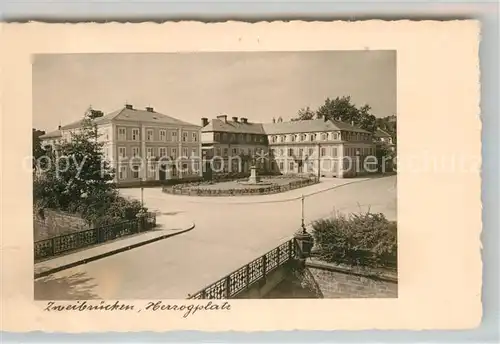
<point>176,225</point>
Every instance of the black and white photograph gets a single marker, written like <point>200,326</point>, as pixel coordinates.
<point>224,175</point>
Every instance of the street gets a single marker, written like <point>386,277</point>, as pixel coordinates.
<point>229,233</point>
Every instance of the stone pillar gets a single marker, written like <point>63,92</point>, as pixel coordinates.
<point>141,220</point>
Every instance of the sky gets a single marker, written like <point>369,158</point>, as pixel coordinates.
<point>189,86</point>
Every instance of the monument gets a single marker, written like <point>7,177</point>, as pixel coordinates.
<point>254,178</point>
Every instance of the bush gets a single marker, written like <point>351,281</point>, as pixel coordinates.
<point>365,239</point>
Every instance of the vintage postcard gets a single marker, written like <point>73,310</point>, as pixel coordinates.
<point>235,176</point>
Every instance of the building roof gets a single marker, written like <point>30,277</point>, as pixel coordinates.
<point>132,115</point>
<point>52,134</point>
<point>381,133</point>
<point>313,125</point>
<point>230,126</point>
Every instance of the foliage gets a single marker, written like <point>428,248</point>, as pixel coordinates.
<point>365,239</point>
<point>341,109</point>
<point>38,150</point>
<point>305,114</point>
<point>79,180</point>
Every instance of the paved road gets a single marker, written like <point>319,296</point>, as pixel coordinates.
<point>229,233</point>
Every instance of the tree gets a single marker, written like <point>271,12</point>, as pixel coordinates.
<point>305,114</point>
<point>77,172</point>
<point>341,109</point>
<point>38,150</point>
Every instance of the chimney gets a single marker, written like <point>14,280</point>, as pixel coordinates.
<point>280,119</point>
<point>59,127</point>
<point>150,109</point>
<point>204,121</point>
<point>244,120</point>
<point>129,106</point>
<point>235,119</point>
<point>223,118</point>
<point>274,120</point>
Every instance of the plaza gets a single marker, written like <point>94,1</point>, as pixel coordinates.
<point>229,232</point>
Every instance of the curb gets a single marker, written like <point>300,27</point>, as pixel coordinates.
<point>110,253</point>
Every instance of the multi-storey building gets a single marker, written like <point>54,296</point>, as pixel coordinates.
<point>143,144</point>
<point>325,147</point>
<point>328,148</point>
<point>233,145</point>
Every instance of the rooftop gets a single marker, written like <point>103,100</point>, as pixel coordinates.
<point>232,126</point>
<point>127,113</point>
<point>313,125</point>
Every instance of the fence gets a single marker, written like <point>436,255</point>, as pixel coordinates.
<point>78,240</point>
<point>241,279</point>
<point>194,189</point>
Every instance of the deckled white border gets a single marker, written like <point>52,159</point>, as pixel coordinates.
<point>439,214</point>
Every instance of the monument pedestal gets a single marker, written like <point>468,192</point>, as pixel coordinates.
<point>253,175</point>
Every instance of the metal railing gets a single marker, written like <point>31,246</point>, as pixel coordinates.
<point>78,240</point>
<point>241,279</point>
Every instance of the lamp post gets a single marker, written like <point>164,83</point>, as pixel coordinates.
<point>303,239</point>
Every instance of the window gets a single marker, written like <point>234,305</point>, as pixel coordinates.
<point>194,137</point>
<point>312,137</point>
<point>274,138</point>
<point>184,136</point>
<point>122,173</point>
<point>174,152</point>
<point>311,151</point>
<point>122,152</point>
<point>162,151</point>
<point>184,152</point>
<point>163,135</point>
<point>135,174</point>
<point>334,151</point>
<point>282,138</point>
<point>217,137</point>
<point>323,137</point>
<point>135,134</point>
<point>149,152</point>
<point>196,166</point>
<point>122,134</point>
<point>301,151</point>
<point>149,135</point>
<point>234,151</point>
<point>290,166</point>
<point>255,138</point>
<point>290,151</point>
<point>323,151</point>
<point>225,151</point>
<point>303,137</point>
<point>135,151</point>
<point>335,136</point>
<point>233,137</point>
<point>193,152</point>
<point>174,136</point>
<point>217,151</point>
<point>249,137</point>
<point>292,138</point>
<point>281,151</point>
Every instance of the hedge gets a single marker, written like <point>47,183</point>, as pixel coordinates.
<point>365,239</point>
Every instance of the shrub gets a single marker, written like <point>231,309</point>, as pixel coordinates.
<point>365,239</point>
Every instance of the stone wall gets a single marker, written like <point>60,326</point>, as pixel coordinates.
<point>342,282</point>
<point>323,280</point>
<point>54,223</point>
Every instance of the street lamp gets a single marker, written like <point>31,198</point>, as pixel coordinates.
<point>303,239</point>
